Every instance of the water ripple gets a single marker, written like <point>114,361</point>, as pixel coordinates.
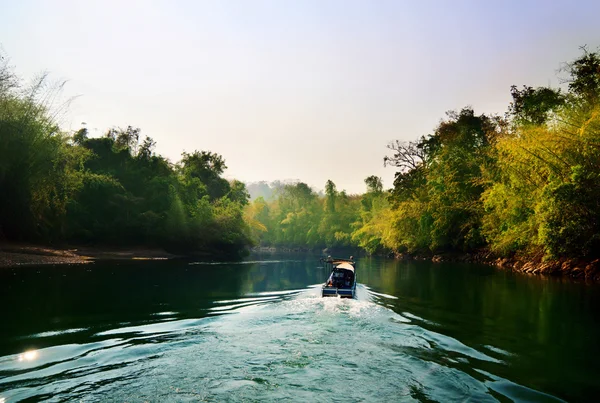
<point>289,345</point>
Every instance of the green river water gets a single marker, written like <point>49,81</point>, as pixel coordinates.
<point>258,330</point>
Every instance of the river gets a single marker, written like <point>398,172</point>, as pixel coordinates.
<point>257,330</point>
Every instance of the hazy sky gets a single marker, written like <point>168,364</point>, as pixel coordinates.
<point>309,90</point>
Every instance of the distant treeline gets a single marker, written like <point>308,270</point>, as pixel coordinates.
<point>527,182</point>
<point>266,190</point>
<point>112,190</point>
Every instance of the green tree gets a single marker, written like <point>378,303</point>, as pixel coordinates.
<point>533,105</point>
<point>207,167</point>
<point>39,170</point>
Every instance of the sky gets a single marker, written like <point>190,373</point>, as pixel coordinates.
<point>307,90</point>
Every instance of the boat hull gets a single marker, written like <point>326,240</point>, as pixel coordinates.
<point>338,292</point>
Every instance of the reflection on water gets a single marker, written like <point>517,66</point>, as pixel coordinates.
<point>28,356</point>
<point>258,331</point>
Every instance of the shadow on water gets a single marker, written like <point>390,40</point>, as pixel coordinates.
<point>102,294</point>
<point>64,298</point>
<point>257,330</point>
<point>543,327</point>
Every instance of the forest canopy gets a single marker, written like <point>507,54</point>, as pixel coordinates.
<point>113,190</point>
<point>523,182</point>
<point>526,182</point>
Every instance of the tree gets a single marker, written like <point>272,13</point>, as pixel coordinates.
<point>374,184</point>
<point>440,178</point>
<point>407,155</point>
<point>533,106</point>
<point>330,196</point>
<point>207,167</point>
<point>39,171</point>
<point>127,139</point>
<point>372,224</point>
<point>109,190</point>
<point>147,149</point>
<point>584,77</point>
<point>238,192</point>
<point>80,136</point>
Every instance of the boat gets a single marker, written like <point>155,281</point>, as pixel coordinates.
<point>342,280</point>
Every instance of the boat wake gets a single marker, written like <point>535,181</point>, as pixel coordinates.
<point>291,345</point>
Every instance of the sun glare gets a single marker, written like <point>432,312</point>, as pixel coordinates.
<point>27,356</point>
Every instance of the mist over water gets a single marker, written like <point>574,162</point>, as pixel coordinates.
<point>259,331</point>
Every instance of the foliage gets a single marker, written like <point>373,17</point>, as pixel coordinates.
<point>373,231</point>
<point>533,105</point>
<point>528,182</point>
<point>108,190</point>
<point>39,171</point>
<point>527,185</point>
<point>299,218</point>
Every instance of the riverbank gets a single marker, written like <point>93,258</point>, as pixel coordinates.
<point>573,268</point>
<point>12,254</point>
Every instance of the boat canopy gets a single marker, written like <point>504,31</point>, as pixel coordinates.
<point>345,266</point>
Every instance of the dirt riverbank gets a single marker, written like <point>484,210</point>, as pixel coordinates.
<point>573,268</point>
<point>12,254</point>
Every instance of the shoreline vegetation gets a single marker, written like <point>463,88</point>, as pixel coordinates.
<point>15,255</point>
<point>523,186</point>
<point>519,190</point>
<point>573,268</point>
<point>580,269</point>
